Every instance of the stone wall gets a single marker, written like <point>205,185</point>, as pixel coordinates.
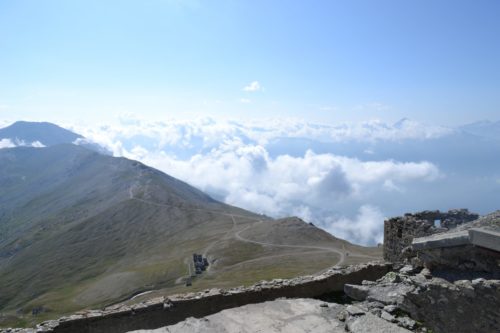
<point>464,259</point>
<point>442,305</point>
<point>460,307</point>
<point>170,310</point>
<point>400,231</point>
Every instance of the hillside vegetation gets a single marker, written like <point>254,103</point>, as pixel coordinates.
<point>80,229</point>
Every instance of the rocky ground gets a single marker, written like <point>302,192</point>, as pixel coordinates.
<point>410,295</point>
<point>404,299</point>
<point>490,221</point>
<point>287,315</point>
<point>408,299</point>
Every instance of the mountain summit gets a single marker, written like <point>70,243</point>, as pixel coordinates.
<point>26,133</point>
<point>47,134</point>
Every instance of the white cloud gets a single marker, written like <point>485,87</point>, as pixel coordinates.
<point>314,186</point>
<point>231,161</point>
<point>5,123</point>
<point>37,144</point>
<point>252,86</point>
<point>390,186</point>
<point>9,143</point>
<point>365,228</point>
<point>245,100</point>
<point>6,143</point>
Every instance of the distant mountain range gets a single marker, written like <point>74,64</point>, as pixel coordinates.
<point>80,228</point>
<point>46,133</point>
<point>24,133</point>
<point>468,158</point>
<point>471,149</point>
<point>484,128</point>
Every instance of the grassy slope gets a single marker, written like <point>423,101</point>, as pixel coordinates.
<point>87,230</point>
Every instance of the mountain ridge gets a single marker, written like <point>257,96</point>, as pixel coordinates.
<point>47,133</point>
<point>43,134</point>
<point>79,229</point>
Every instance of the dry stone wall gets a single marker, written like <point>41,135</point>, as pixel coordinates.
<point>467,261</point>
<point>165,311</point>
<point>462,306</point>
<point>400,231</point>
<point>458,306</point>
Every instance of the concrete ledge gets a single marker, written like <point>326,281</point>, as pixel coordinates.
<point>485,238</point>
<point>447,239</point>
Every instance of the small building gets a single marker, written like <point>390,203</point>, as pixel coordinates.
<point>200,263</point>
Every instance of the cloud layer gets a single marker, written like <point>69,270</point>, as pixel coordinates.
<point>206,133</point>
<point>11,143</point>
<point>231,161</point>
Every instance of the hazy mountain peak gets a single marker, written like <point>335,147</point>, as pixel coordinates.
<point>484,128</point>
<point>44,134</point>
<point>403,121</point>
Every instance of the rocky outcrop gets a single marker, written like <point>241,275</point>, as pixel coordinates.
<point>165,311</point>
<point>461,306</point>
<point>414,295</point>
<point>365,322</point>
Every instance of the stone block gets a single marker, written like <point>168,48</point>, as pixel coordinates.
<point>448,239</point>
<point>485,238</point>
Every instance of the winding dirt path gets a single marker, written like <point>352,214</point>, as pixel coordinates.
<point>271,257</point>
<point>232,233</point>
<point>330,249</point>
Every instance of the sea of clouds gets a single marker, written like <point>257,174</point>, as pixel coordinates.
<point>345,178</point>
<point>231,160</point>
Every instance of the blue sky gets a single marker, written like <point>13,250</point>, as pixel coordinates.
<point>327,61</point>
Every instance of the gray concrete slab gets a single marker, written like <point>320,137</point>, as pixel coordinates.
<point>446,239</point>
<point>485,238</point>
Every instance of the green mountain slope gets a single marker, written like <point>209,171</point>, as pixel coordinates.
<point>80,229</point>
<point>67,213</point>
